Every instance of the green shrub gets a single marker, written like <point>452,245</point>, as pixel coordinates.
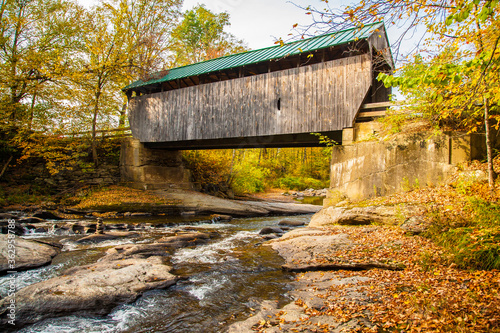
<point>248,179</point>
<point>299,183</point>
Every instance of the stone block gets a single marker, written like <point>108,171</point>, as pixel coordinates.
<point>347,136</point>
<point>142,167</point>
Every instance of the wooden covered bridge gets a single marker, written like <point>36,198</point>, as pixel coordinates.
<point>271,97</point>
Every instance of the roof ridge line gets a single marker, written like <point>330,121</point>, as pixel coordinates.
<point>141,83</point>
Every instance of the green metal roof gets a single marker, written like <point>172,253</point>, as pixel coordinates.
<point>265,54</point>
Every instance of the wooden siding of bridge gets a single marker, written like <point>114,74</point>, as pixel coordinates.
<point>317,98</point>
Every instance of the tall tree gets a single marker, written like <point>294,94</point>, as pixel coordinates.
<point>36,39</point>
<point>201,36</point>
<point>124,39</point>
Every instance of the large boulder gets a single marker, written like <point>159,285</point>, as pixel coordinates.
<point>386,215</point>
<point>309,249</point>
<point>291,223</point>
<point>91,289</point>
<point>28,254</point>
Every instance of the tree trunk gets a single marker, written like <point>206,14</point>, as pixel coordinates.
<point>489,149</point>
<point>123,114</point>
<point>5,166</point>
<point>32,111</point>
<point>94,124</point>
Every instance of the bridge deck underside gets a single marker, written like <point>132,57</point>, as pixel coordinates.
<point>272,141</point>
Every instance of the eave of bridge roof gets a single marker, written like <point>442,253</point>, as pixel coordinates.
<point>256,56</point>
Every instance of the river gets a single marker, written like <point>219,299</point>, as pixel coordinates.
<point>223,280</point>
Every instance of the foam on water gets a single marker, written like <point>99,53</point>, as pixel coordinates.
<point>72,324</point>
<point>211,253</point>
<point>71,245</point>
<point>26,278</point>
<point>202,286</point>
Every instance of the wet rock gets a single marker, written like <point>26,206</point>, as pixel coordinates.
<point>140,214</point>
<point>83,227</point>
<point>46,215</point>
<point>32,219</point>
<point>59,230</point>
<point>116,226</point>
<point>29,254</point>
<point>8,216</point>
<point>221,218</point>
<point>292,223</point>
<point>270,236</point>
<point>98,238</point>
<point>186,238</point>
<point>270,230</point>
<point>92,290</point>
<point>163,247</point>
<point>17,230</point>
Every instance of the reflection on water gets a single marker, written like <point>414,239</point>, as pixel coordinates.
<point>311,200</point>
<point>222,279</point>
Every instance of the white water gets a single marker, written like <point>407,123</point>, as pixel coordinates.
<point>220,281</point>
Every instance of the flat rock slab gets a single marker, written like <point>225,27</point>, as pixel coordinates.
<point>99,238</point>
<point>311,291</point>
<point>310,249</point>
<point>385,215</point>
<point>306,248</point>
<point>28,254</point>
<point>202,203</point>
<point>91,289</point>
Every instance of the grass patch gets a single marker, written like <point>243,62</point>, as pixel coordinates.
<point>474,241</point>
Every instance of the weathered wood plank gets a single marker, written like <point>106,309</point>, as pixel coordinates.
<point>320,97</point>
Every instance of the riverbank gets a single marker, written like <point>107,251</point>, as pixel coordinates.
<point>119,201</point>
<point>425,260</point>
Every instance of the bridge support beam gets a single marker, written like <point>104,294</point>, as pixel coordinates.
<point>146,168</point>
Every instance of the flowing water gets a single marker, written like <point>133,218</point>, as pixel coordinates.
<point>223,279</point>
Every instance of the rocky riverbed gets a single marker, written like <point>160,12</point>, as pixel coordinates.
<point>90,271</point>
<point>340,270</point>
<point>330,258</point>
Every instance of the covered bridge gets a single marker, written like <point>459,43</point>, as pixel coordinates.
<point>271,97</point>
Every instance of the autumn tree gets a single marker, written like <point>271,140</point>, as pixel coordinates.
<point>201,36</point>
<point>123,40</point>
<point>451,74</point>
<point>37,37</point>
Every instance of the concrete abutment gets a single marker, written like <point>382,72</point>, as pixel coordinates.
<point>146,168</point>
<point>364,167</point>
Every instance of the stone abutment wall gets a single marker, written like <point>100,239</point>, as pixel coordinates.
<point>145,168</point>
<point>371,168</point>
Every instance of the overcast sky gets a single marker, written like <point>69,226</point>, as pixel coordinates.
<point>259,22</point>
